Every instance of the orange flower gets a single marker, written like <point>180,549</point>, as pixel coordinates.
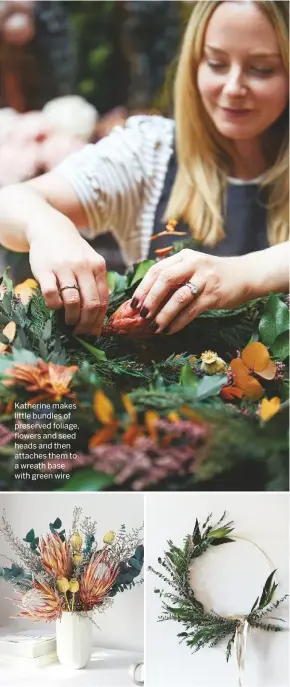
<point>269,408</point>
<point>41,603</point>
<point>104,409</point>
<point>151,419</point>
<point>104,435</point>
<point>230,392</point>
<point>55,555</point>
<point>97,580</point>
<point>169,229</point>
<point>53,380</point>
<point>162,252</point>
<point>127,322</point>
<point>105,412</point>
<point>129,407</point>
<point>255,358</point>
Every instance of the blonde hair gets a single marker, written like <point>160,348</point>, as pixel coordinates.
<point>204,154</point>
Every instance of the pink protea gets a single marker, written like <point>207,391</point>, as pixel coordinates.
<point>41,603</point>
<point>127,322</point>
<point>55,554</point>
<point>97,580</point>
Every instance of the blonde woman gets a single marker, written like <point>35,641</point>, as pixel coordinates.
<point>227,181</point>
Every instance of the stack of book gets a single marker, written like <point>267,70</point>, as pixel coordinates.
<point>36,649</point>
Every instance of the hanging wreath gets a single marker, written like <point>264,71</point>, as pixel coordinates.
<point>207,628</point>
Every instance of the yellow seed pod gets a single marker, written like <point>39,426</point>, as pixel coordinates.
<point>211,363</point>
<point>109,537</point>
<point>62,584</point>
<point>77,558</point>
<point>74,586</point>
<point>76,541</point>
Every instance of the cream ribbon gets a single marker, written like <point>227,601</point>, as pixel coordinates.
<point>240,643</point>
<point>243,628</point>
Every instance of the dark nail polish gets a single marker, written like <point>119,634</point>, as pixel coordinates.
<point>144,312</point>
<point>166,330</point>
<point>134,303</point>
<point>154,326</point>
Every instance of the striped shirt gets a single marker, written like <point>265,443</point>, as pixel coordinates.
<point>119,181</point>
<point>124,182</point>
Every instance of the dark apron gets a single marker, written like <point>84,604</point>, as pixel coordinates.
<point>245,219</point>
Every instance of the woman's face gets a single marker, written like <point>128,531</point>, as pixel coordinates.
<point>241,78</point>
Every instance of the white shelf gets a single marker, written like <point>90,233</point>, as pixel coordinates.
<point>107,668</point>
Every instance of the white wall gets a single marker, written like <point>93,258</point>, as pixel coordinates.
<point>122,626</point>
<point>226,579</point>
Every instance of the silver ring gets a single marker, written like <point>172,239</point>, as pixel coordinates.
<point>74,286</point>
<point>194,289</point>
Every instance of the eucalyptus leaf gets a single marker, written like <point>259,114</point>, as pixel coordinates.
<point>30,536</point>
<point>210,385</point>
<point>24,356</point>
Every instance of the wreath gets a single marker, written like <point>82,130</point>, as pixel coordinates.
<point>207,628</point>
<point>157,412</point>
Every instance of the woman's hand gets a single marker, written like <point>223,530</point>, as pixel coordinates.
<point>63,258</point>
<point>164,295</point>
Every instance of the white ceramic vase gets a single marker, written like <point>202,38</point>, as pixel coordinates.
<point>74,640</point>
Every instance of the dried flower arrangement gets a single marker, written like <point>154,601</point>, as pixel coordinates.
<point>70,571</point>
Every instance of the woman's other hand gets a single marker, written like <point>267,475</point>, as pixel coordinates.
<point>165,296</point>
<point>64,259</point>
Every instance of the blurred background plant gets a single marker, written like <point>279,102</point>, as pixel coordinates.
<point>118,57</point>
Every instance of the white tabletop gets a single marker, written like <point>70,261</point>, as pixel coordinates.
<point>107,668</point>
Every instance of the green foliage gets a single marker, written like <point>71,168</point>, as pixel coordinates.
<point>88,480</point>
<point>203,628</point>
<point>141,269</point>
<point>55,528</point>
<point>188,377</point>
<point>128,571</point>
<point>274,320</point>
<point>162,374</point>
<point>94,25</point>
<point>96,353</point>
<point>280,347</point>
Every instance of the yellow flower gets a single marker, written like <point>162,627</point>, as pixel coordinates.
<point>74,586</point>
<point>211,363</point>
<point>109,537</point>
<point>62,584</point>
<point>76,541</point>
<point>77,558</point>
<point>269,408</point>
